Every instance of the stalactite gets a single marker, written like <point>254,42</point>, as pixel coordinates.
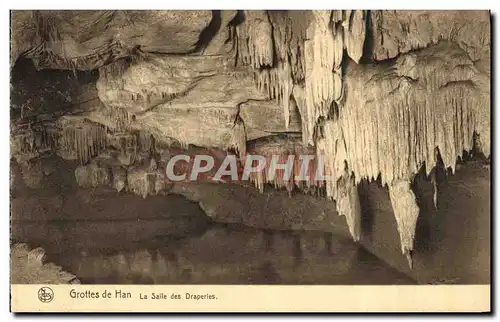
<point>255,42</point>
<point>396,119</point>
<point>289,33</point>
<point>338,47</point>
<point>278,181</point>
<point>348,204</point>
<point>284,149</point>
<point>331,149</point>
<point>319,60</point>
<point>338,15</point>
<point>354,27</point>
<point>277,84</point>
<point>119,118</point>
<point>145,142</point>
<point>242,36</point>
<point>323,57</point>
<point>406,212</point>
<point>24,145</point>
<point>183,143</point>
<point>260,42</point>
<point>341,186</point>
<point>83,141</point>
<point>237,139</point>
<point>435,188</point>
<point>393,126</point>
<point>310,47</point>
<point>307,125</point>
<point>309,50</point>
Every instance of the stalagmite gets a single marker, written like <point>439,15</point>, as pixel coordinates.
<point>138,182</point>
<point>406,213</point>
<point>153,166</point>
<point>127,145</point>
<point>32,173</point>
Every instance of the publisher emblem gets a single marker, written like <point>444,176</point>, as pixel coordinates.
<point>45,294</point>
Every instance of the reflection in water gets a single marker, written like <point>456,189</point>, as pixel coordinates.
<point>143,252</point>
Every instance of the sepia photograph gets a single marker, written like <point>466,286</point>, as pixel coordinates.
<point>278,150</point>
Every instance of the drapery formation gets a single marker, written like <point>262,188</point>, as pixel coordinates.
<point>376,94</point>
<point>385,119</point>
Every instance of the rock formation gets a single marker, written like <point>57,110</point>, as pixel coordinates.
<point>30,267</point>
<point>377,95</point>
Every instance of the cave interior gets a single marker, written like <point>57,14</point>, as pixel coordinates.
<point>397,103</point>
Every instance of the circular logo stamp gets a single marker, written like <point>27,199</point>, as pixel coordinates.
<point>45,294</point>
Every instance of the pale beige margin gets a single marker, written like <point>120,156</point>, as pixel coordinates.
<point>257,298</point>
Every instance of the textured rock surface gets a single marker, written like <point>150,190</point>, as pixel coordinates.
<point>32,174</point>
<point>103,36</point>
<point>400,31</point>
<point>210,107</point>
<point>154,80</point>
<point>266,118</point>
<point>92,175</point>
<point>29,267</point>
<point>271,210</point>
<point>144,181</point>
